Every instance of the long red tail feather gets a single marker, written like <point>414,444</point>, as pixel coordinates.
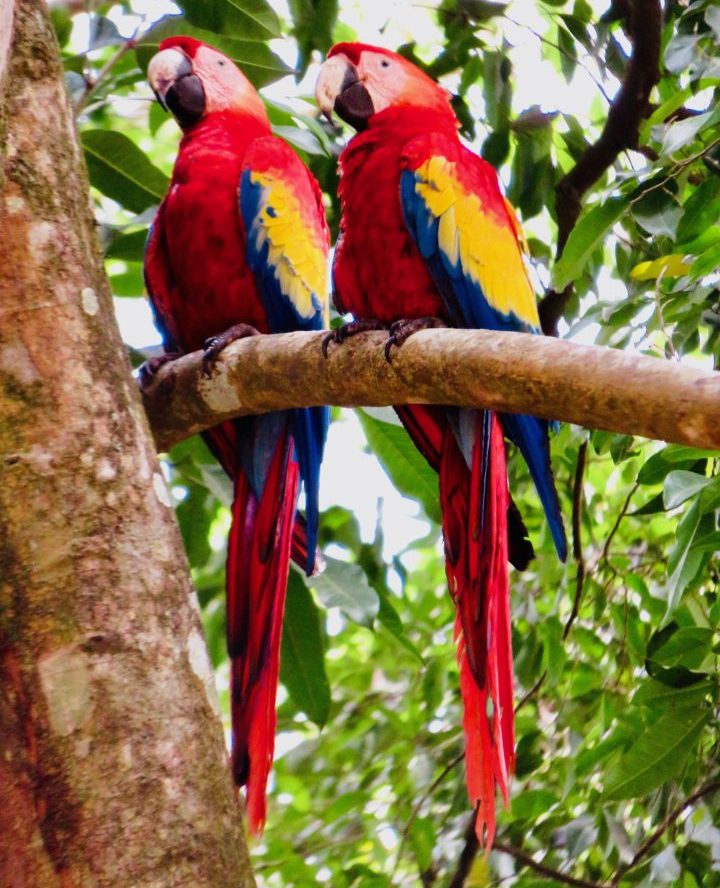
<point>474,505</point>
<point>257,572</point>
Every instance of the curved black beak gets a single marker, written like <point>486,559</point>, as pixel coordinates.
<point>353,103</point>
<point>185,99</point>
<point>340,89</point>
<point>177,88</point>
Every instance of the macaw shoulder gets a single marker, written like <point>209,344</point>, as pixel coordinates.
<point>446,163</point>
<point>287,235</point>
<point>285,179</point>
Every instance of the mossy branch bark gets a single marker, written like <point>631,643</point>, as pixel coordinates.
<point>513,372</point>
<point>112,762</point>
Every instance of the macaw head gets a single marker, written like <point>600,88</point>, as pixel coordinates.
<point>192,80</point>
<point>358,81</point>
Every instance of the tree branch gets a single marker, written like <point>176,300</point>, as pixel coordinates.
<point>577,536</point>
<point>654,837</point>
<point>543,870</point>
<point>513,372</point>
<point>620,132</point>
<point>467,855</point>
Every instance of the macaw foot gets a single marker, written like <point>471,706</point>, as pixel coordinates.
<point>340,334</point>
<point>149,370</point>
<point>215,344</point>
<point>404,329</point>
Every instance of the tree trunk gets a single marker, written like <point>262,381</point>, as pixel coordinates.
<point>112,763</point>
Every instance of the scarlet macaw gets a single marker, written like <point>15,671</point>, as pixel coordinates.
<point>239,245</point>
<point>426,234</point>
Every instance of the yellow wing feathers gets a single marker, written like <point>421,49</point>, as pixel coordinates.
<point>296,249</point>
<point>487,241</point>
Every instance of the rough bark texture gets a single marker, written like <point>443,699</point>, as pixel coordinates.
<point>515,372</point>
<point>112,763</point>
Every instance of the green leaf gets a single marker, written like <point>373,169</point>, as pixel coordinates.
<point>701,210</point>
<point>302,660</point>
<point>681,485</point>
<point>257,61</point>
<point>120,170</point>
<point>195,515</point>
<point>62,23</point>
<point>680,134</point>
<point>568,53</point>
<point>532,803</point>
<point>658,755</point>
<point>671,457</point>
<point>130,247</point>
<point>157,116</point>
<point>406,466</point>
<point>103,32</point>
<point>706,263</point>
<point>301,139</point>
<point>584,238</point>
<point>128,283</point>
<point>313,24</point>
<point>710,496</point>
<point>663,111</point>
<point>422,839</point>
<point>254,19</point>
<point>554,654</point>
<point>390,619</point>
<point>497,88</point>
<point>657,210</point>
<point>657,695</point>
<point>687,647</point>
<point>682,562</point>
<point>345,586</point>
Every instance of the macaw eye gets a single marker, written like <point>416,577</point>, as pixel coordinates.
<point>385,63</point>
<point>221,62</point>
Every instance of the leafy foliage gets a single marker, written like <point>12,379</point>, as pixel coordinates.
<point>617,717</point>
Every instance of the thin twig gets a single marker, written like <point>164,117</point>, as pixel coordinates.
<point>621,515</point>
<point>421,801</point>
<point>564,52</point>
<point>543,870</point>
<point>577,535</point>
<point>531,693</point>
<point>655,837</point>
<point>94,85</point>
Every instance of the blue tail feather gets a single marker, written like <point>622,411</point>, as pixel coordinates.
<point>530,434</point>
<point>309,428</point>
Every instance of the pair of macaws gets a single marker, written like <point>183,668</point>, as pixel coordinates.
<point>240,246</point>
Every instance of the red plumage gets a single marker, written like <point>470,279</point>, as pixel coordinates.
<point>379,273</point>
<point>201,281</point>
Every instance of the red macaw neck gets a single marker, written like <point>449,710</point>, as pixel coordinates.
<point>404,122</point>
<point>222,133</point>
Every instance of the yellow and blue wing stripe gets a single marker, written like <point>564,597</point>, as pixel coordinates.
<point>287,249</point>
<point>472,244</point>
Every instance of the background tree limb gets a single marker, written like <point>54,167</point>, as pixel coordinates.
<point>627,111</point>
<point>590,385</point>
